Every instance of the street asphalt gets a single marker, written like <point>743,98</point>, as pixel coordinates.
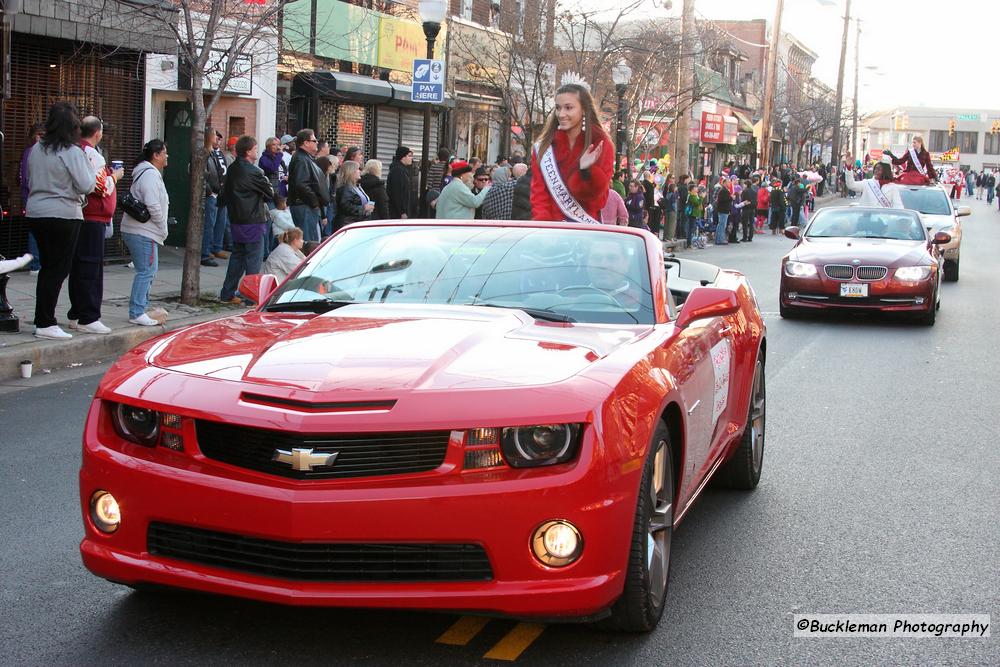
<point>879,495</point>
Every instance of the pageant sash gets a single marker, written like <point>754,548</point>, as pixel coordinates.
<point>879,195</point>
<point>569,206</point>
<point>916,162</point>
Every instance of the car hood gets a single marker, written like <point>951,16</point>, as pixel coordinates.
<point>373,348</point>
<point>881,252</point>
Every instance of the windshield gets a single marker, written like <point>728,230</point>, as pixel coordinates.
<point>854,223</point>
<point>930,201</point>
<point>584,276</point>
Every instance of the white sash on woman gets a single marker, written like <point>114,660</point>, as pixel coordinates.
<point>879,195</point>
<point>916,162</point>
<point>569,206</point>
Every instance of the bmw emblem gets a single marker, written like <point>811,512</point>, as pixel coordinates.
<point>855,262</point>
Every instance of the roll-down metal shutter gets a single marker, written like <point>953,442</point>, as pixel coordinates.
<point>386,135</point>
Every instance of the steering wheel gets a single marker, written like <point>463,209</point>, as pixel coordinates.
<point>590,288</point>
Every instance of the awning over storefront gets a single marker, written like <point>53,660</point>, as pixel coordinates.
<point>402,96</point>
<point>347,87</point>
<point>746,125</point>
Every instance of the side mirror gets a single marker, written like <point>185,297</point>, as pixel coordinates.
<point>705,302</point>
<point>941,238</point>
<point>963,211</point>
<point>792,232</point>
<point>258,287</point>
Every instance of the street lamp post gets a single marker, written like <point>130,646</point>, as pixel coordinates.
<point>621,74</point>
<point>432,12</point>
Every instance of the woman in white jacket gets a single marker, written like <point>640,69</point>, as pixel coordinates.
<point>879,191</point>
<point>142,238</point>
<point>287,256</point>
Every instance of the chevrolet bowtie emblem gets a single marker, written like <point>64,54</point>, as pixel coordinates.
<point>304,460</point>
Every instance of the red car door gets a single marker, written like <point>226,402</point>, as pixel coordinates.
<point>716,368</point>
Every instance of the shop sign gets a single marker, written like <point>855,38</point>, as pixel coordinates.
<point>969,116</point>
<point>401,42</point>
<point>351,127</point>
<point>952,156</point>
<point>241,78</point>
<point>718,129</point>
<point>875,154</point>
<point>343,31</point>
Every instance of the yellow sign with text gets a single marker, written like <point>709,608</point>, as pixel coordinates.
<point>400,42</point>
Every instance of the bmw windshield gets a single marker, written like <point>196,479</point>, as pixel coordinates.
<point>929,201</point>
<point>557,274</point>
<point>864,223</point>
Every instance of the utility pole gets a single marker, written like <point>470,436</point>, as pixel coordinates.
<point>854,124</point>
<point>685,88</point>
<point>835,153</point>
<point>769,86</point>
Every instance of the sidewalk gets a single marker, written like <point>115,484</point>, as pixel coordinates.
<point>48,355</point>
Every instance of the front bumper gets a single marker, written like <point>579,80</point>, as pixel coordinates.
<point>498,510</point>
<point>823,293</point>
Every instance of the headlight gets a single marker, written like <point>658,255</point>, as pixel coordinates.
<point>799,269</point>
<point>911,274</point>
<point>104,511</point>
<point>139,425</point>
<point>541,445</point>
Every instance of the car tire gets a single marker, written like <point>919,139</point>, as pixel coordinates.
<point>928,318</point>
<point>641,604</point>
<point>951,271</point>
<point>788,313</point>
<point>743,470</point>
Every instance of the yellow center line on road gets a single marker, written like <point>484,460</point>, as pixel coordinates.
<point>463,630</point>
<point>516,641</point>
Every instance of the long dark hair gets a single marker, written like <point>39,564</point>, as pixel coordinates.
<point>152,147</point>
<point>62,127</point>
<point>591,121</point>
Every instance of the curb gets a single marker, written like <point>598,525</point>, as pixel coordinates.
<point>86,348</point>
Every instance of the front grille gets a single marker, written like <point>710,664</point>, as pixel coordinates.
<point>839,271</point>
<point>358,454</point>
<point>872,272</point>
<point>321,561</point>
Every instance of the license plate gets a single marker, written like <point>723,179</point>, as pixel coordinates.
<point>853,290</point>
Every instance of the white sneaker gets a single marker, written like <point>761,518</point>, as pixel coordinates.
<point>144,320</point>
<point>54,332</point>
<point>96,327</point>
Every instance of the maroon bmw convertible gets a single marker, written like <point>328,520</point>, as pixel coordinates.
<point>863,259</point>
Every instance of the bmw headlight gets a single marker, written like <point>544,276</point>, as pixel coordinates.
<point>542,445</point>
<point>911,274</point>
<point>139,425</point>
<point>799,269</point>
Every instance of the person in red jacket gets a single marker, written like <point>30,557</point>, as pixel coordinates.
<point>86,276</point>
<point>917,167</point>
<point>763,204</point>
<point>572,161</point>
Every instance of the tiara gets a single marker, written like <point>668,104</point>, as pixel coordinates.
<point>573,78</point>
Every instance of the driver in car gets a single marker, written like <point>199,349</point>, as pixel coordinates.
<point>608,270</point>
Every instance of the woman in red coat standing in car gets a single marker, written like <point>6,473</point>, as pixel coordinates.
<point>917,167</point>
<point>572,161</point>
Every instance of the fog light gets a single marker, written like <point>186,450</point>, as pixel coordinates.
<point>919,301</point>
<point>557,543</point>
<point>792,296</point>
<point>104,511</point>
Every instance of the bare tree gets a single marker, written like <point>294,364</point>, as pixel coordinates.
<point>216,40</point>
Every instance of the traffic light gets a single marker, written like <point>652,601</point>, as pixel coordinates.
<point>951,127</point>
<point>906,121</point>
<point>897,123</point>
<point>995,128</point>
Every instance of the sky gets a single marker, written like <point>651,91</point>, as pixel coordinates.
<point>931,53</point>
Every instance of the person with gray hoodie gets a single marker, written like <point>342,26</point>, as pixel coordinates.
<point>60,176</point>
<point>142,238</point>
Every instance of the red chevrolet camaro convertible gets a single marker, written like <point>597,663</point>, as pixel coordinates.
<point>505,418</point>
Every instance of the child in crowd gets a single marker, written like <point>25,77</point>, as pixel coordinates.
<point>636,204</point>
<point>283,259</point>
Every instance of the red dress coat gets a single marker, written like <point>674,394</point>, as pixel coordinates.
<point>911,175</point>
<point>591,193</point>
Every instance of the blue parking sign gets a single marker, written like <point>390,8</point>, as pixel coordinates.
<point>428,81</point>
